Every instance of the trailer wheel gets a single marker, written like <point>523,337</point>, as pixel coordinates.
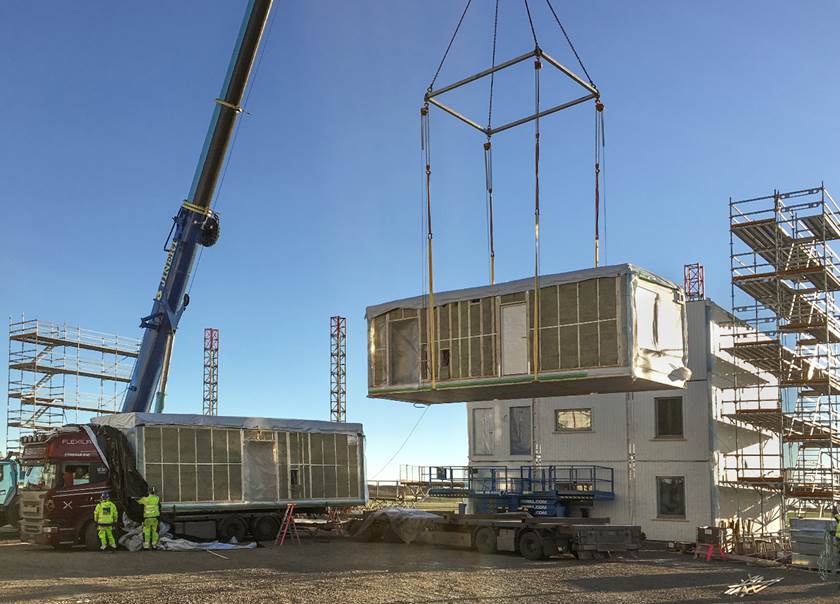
<point>265,528</point>
<point>485,540</point>
<point>232,527</point>
<point>531,546</point>
<point>90,537</point>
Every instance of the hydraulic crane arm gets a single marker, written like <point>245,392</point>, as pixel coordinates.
<point>196,224</point>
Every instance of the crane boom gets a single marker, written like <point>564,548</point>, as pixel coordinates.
<point>196,224</point>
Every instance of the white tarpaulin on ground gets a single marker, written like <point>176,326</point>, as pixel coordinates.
<point>132,540</point>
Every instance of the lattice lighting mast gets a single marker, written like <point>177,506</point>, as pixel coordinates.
<point>693,281</point>
<point>338,369</point>
<point>211,372</point>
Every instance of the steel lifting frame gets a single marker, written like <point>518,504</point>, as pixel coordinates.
<point>537,53</point>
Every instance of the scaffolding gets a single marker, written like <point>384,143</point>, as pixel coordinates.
<point>210,390</point>
<point>338,369</point>
<point>785,279</point>
<point>59,374</point>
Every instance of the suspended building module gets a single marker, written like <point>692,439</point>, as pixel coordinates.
<point>610,329</point>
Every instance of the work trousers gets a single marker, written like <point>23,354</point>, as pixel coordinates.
<point>106,535</point>
<point>150,532</point>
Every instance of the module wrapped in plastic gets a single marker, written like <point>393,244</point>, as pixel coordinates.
<point>609,329</point>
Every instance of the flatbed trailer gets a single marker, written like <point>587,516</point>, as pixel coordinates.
<point>533,538</point>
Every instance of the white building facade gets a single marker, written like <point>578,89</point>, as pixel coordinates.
<point>668,450</point>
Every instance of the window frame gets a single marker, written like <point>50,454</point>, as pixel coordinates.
<point>659,513</point>
<point>558,429</point>
<point>657,433</point>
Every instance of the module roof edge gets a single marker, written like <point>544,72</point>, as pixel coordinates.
<point>518,285</point>
<point>131,420</point>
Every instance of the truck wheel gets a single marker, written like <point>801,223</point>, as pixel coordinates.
<point>485,540</point>
<point>531,546</point>
<point>231,527</point>
<point>90,537</point>
<point>265,528</point>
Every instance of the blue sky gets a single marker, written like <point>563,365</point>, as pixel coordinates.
<point>106,107</point>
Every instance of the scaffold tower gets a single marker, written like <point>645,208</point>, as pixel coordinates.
<point>338,369</point>
<point>211,372</point>
<point>785,283</point>
<point>59,373</point>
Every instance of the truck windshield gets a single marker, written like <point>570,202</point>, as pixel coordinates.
<point>38,476</point>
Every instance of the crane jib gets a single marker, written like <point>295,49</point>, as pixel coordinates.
<point>196,224</point>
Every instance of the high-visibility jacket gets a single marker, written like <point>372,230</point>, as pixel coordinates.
<point>151,506</point>
<point>105,512</point>
<point>837,530</point>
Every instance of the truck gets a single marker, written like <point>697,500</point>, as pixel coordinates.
<point>218,477</point>
<point>9,472</point>
<point>534,538</point>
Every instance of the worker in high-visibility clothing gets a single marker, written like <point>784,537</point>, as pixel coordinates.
<point>151,513</point>
<point>105,517</point>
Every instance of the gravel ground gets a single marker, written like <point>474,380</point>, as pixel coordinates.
<point>341,571</point>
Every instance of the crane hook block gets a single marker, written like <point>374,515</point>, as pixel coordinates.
<point>599,106</point>
<point>210,230</point>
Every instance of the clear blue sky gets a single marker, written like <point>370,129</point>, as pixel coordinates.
<point>106,106</point>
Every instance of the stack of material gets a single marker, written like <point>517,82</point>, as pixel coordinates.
<point>808,538</point>
<point>751,585</point>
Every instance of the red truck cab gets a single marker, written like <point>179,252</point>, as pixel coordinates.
<point>62,479</point>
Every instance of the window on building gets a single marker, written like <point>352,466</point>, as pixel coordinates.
<point>669,417</point>
<point>520,430</point>
<point>670,496</point>
<point>483,432</point>
<point>573,420</point>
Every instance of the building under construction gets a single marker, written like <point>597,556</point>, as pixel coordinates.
<point>60,374</point>
<point>785,280</point>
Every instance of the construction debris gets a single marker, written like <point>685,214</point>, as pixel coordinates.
<point>751,585</point>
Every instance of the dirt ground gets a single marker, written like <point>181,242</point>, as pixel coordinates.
<point>339,571</point>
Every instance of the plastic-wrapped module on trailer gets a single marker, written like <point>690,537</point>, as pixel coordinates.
<point>609,329</point>
<point>209,463</point>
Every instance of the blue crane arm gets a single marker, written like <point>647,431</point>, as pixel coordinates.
<point>195,224</point>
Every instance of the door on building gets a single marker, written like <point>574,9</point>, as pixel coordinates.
<point>514,339</point>
<point>260,467</point>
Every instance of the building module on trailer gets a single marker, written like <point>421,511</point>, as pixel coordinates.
<point>217,476</point>
<point>609,329</point>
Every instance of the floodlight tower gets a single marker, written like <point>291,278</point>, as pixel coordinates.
<point>338,369</point>
<point>211,372</point>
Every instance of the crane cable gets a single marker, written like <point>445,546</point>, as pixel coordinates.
<point>599,143</point>
<point>449,46</point>
<point>536,338</point>
<point>430,307</point>
<point>488,158</point>
<point>572,46</point>
<point>425,147</point>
